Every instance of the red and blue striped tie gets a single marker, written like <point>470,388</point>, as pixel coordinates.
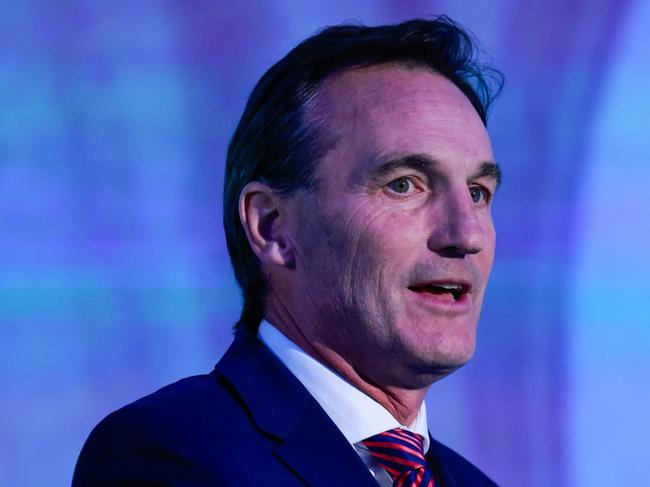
<point>401,453</point>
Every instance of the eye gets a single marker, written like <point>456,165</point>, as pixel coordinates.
<point>401,185</point>
<point>479,194</point>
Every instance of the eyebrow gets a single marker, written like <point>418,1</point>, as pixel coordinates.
<point>421,162</point>
<point>489,169</point>
<point>418,162</point>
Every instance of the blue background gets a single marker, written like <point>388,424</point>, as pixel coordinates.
<point>115,280</point>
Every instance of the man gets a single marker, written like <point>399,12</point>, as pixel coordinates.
<point>357,215</point>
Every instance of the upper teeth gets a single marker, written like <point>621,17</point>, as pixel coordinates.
<point>452,287</point>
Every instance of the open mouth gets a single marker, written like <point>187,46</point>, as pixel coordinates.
<point>444,291</point>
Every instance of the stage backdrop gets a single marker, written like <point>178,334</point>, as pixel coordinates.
<point>114,278</point>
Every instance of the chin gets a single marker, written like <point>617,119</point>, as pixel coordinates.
<point>454,362</point>
<point>446,357</point>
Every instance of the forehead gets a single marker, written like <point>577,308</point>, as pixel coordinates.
<point>395,109</point>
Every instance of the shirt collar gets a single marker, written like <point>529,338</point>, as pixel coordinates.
<point>356,414</point>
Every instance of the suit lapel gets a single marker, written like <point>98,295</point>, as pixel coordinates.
<point>436,460</point>
<point>321,455</point>
<point>309,443</point>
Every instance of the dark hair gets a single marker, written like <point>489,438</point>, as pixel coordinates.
<point>274,144</point>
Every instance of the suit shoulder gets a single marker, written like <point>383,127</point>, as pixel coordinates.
<point>462,469</point>
<point>163,431</point>
<point>188,393</point>
<point>189,400</point>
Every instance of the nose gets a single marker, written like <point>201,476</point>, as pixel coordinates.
<point>459,225</point>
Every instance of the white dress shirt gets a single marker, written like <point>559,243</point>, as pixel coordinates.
<point>356,414</point>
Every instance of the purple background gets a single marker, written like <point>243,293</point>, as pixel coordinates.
<point>115,280</point>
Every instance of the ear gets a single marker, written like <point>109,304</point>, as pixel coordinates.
<point>263,216</point>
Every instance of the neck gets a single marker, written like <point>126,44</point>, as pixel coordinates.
<point>402,403</point>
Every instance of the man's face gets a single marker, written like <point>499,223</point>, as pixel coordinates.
<point>395,245</point>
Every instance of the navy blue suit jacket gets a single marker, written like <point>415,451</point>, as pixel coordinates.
<point>249,422</point>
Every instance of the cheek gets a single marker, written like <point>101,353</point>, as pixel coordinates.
<point>334,248</point>
<point>362,268</point>
<point>380,252</point>
<point>359,249</point>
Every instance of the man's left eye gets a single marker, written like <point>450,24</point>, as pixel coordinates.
<point>401,185</point>
<point>479,194</point>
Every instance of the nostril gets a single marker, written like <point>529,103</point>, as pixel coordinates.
<point>452,252</point>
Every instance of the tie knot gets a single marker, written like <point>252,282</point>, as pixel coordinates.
<point>401,453</point>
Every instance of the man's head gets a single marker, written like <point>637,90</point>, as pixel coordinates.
<point>274,142</point>
<point>370,211</point>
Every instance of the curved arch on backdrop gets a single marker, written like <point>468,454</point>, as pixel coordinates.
<point>609,338</point>
<point>556,55</point>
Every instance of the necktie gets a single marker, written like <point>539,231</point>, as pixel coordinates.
<point>401,453</point>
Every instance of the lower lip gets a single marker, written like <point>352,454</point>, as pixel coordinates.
<point>443,304</point>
